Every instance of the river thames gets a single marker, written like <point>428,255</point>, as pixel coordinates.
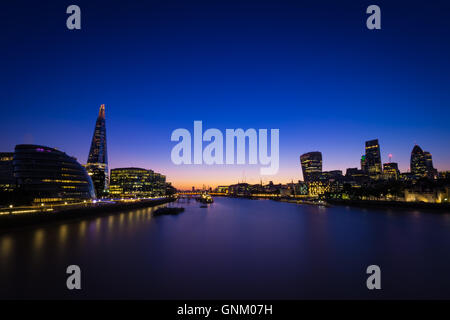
<point>234,249</point>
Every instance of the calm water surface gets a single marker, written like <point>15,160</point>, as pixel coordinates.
<point>236,248</point>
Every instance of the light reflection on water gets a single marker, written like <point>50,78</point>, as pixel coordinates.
<point>235,248</point>
<point>6,246</point>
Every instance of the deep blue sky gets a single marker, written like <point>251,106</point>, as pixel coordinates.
<point>310,68</point>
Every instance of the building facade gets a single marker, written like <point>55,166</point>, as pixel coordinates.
<point>372,159</point>
<point>390,171</point>
<point>97,164</point>
<point>356,176</point>
<point>50,175</point>
<point>311,163</point>
<point>7,181</point>
<point>431,171</point>
<point>136,182</point>
<point>418,164</point>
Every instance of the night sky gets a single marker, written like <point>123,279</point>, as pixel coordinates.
<point>309,68</point>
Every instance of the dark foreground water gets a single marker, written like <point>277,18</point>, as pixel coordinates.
<point>236,248</point>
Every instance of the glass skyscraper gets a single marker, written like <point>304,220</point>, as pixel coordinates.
<point>97,164</point>
<point>422,163</point>
<point>372,160</point>
<point>311,165</point>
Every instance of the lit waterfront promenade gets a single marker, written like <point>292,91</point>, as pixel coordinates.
<point>12,217</point>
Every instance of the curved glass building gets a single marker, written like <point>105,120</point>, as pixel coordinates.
<point>418,162</point>
<point>50,175</point>
<point>311,163</point>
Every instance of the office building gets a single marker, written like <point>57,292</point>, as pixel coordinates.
<point>311,163</point>
<point>390,171</point>
<point>136,182</point>
<point>97,164</point>
<point>7,181</point>
<point>372,159</point>
<point>418,163</point>
<point>50,175</point>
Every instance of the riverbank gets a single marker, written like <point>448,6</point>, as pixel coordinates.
<point>435,207</point>
<point>375,204</point>
<point>12,221</point>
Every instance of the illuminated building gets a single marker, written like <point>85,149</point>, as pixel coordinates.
<point>301,188</point>
<point>97,164</point>
<point>363,163</point>
<point>7,181</point>
<point>333,175</point>
<point>318,188</point>
<point>130,182</point>
<point>406,176</point>
<point>431,171</point>
<point>240,189</point>
<point>222,189</point>
<point>50,175</point>
<point>159,183</point>
<point>372,160</point>
<point>418,162</point>
<point>136,182</point>
<point>390,171</point>
<point>311,163</point>
<point>356,177</point>
<point>444,175</point>
<point>431,196</point>
<point>355,173</point>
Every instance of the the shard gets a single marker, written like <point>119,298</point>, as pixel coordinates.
<point>97,164</point>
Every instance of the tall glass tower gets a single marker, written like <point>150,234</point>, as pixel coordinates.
<point>97,164</point>
<point>422,163</point>
<point>311,163</point>
<point>372,160</point>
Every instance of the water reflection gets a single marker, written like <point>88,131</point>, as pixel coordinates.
<point>62,235</point>
<point>6,247</point>
<point>38,247</point>
<point>110,223</point>
<point>223,251</point>
<point>82,230</point>
<point>97,225</point>
<point>38,240</point>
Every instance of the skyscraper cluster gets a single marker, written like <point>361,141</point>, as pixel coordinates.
<point>40,174</point>
<point>421,166</point>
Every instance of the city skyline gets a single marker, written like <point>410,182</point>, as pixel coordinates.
<point>371,162</point>
<point>98,157</point>
<point>230,66</point>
